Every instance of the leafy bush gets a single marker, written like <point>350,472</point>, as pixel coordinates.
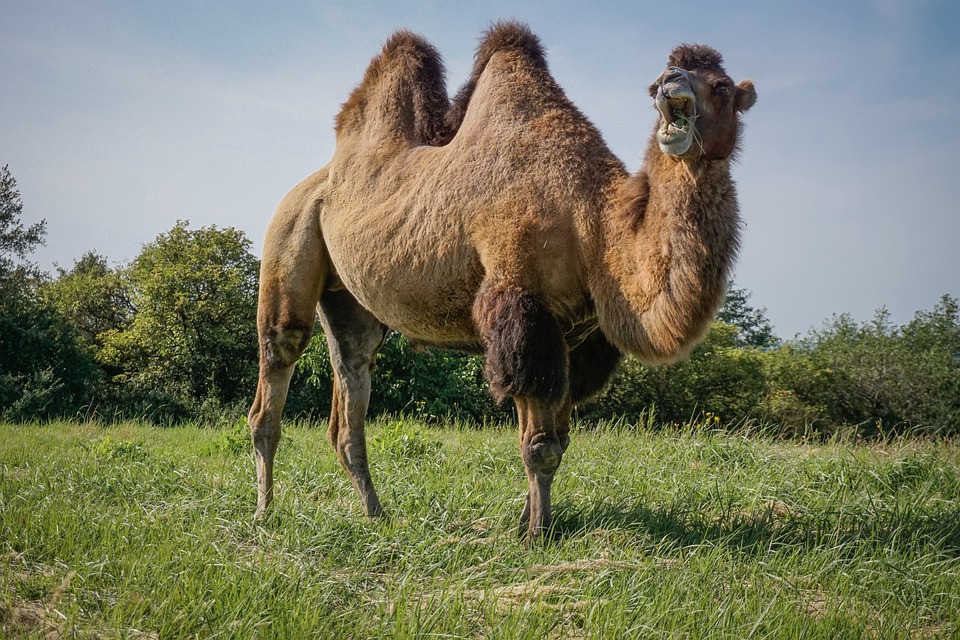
<point>875,375</point>
<point>233,441</point>
<point>427,384</point>
<point>719,377</point>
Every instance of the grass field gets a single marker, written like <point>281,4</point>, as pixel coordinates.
<point>133,531</point>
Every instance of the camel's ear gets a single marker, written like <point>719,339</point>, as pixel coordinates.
<point>746,95</point>
<point>653,90</point>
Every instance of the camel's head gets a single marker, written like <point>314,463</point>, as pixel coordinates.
<point>699,105</point>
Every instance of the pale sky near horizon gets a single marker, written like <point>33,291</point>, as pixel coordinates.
<point>119,118</point>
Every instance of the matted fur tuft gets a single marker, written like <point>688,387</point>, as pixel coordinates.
<point>508,35</point>
<point>525,353</point>
<point>592,364</point>
<point>695,56</point>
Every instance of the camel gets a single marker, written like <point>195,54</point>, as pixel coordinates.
<point>499,223</point>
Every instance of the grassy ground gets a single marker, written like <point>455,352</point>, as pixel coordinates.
<point>137,532</point>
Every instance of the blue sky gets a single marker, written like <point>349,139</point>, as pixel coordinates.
<point>118,118</point>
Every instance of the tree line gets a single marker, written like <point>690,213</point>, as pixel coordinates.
<point>170,337</point>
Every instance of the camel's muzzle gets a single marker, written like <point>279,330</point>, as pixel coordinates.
<point>677,105</point>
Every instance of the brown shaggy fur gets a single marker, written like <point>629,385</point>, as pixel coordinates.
<point>419,92</point>
<point>501,221</point>
<point>592,364</point>
<point>525,352</point>
<point>695,56</point>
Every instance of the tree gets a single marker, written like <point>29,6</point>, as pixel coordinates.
<point>754,329</point>
<point>92,297</point>
<point>16,241</point>
<point>43,371</point>
<point>192,338</point>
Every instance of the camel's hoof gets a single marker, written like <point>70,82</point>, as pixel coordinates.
<point>374,508</point>
<point>532,535</point>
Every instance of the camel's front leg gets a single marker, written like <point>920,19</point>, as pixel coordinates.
<point>526,358</point>
<point>544,436</point>
<point>592,364</point>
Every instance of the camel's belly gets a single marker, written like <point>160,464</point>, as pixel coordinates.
<point>424,290</point>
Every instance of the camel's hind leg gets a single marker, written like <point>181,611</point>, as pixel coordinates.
<point>292,273</point>
<point>354,337</point>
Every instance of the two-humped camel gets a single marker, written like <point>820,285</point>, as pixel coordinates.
<point>499,223</point>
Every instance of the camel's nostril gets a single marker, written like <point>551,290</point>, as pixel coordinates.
<point>674,75</point>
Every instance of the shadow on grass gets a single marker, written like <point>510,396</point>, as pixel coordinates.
<point>768,526</point>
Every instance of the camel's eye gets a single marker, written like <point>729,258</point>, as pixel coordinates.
<point>723,89</point>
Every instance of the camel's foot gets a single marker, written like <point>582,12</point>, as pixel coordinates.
<point>541,456</point>
<point>537,517</point>
<point>373,506</point>
<point>264,495</point>
<point>263,454</point>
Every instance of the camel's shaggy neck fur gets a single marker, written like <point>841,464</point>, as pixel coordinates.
<point>670,238</point>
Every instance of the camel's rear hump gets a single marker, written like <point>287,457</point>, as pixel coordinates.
<point>403,93</point>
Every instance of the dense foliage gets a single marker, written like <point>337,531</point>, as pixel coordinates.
<point>43,370</point>
<point>875,375</point>
<point>171,337</point>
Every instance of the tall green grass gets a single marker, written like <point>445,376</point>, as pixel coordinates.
<point>132,531</point>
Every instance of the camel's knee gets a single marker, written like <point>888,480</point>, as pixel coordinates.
<point>265,435</point>
<point>525,351</point>
<point>282,346</point>
<point>542,454</point>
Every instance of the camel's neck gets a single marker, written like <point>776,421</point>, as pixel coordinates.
<point>670,240</point>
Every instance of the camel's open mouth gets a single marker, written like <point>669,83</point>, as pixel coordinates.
<point>678,116</point>
<point>678,110</point>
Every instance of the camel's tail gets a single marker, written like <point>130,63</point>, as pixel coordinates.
<point>501,36</point>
